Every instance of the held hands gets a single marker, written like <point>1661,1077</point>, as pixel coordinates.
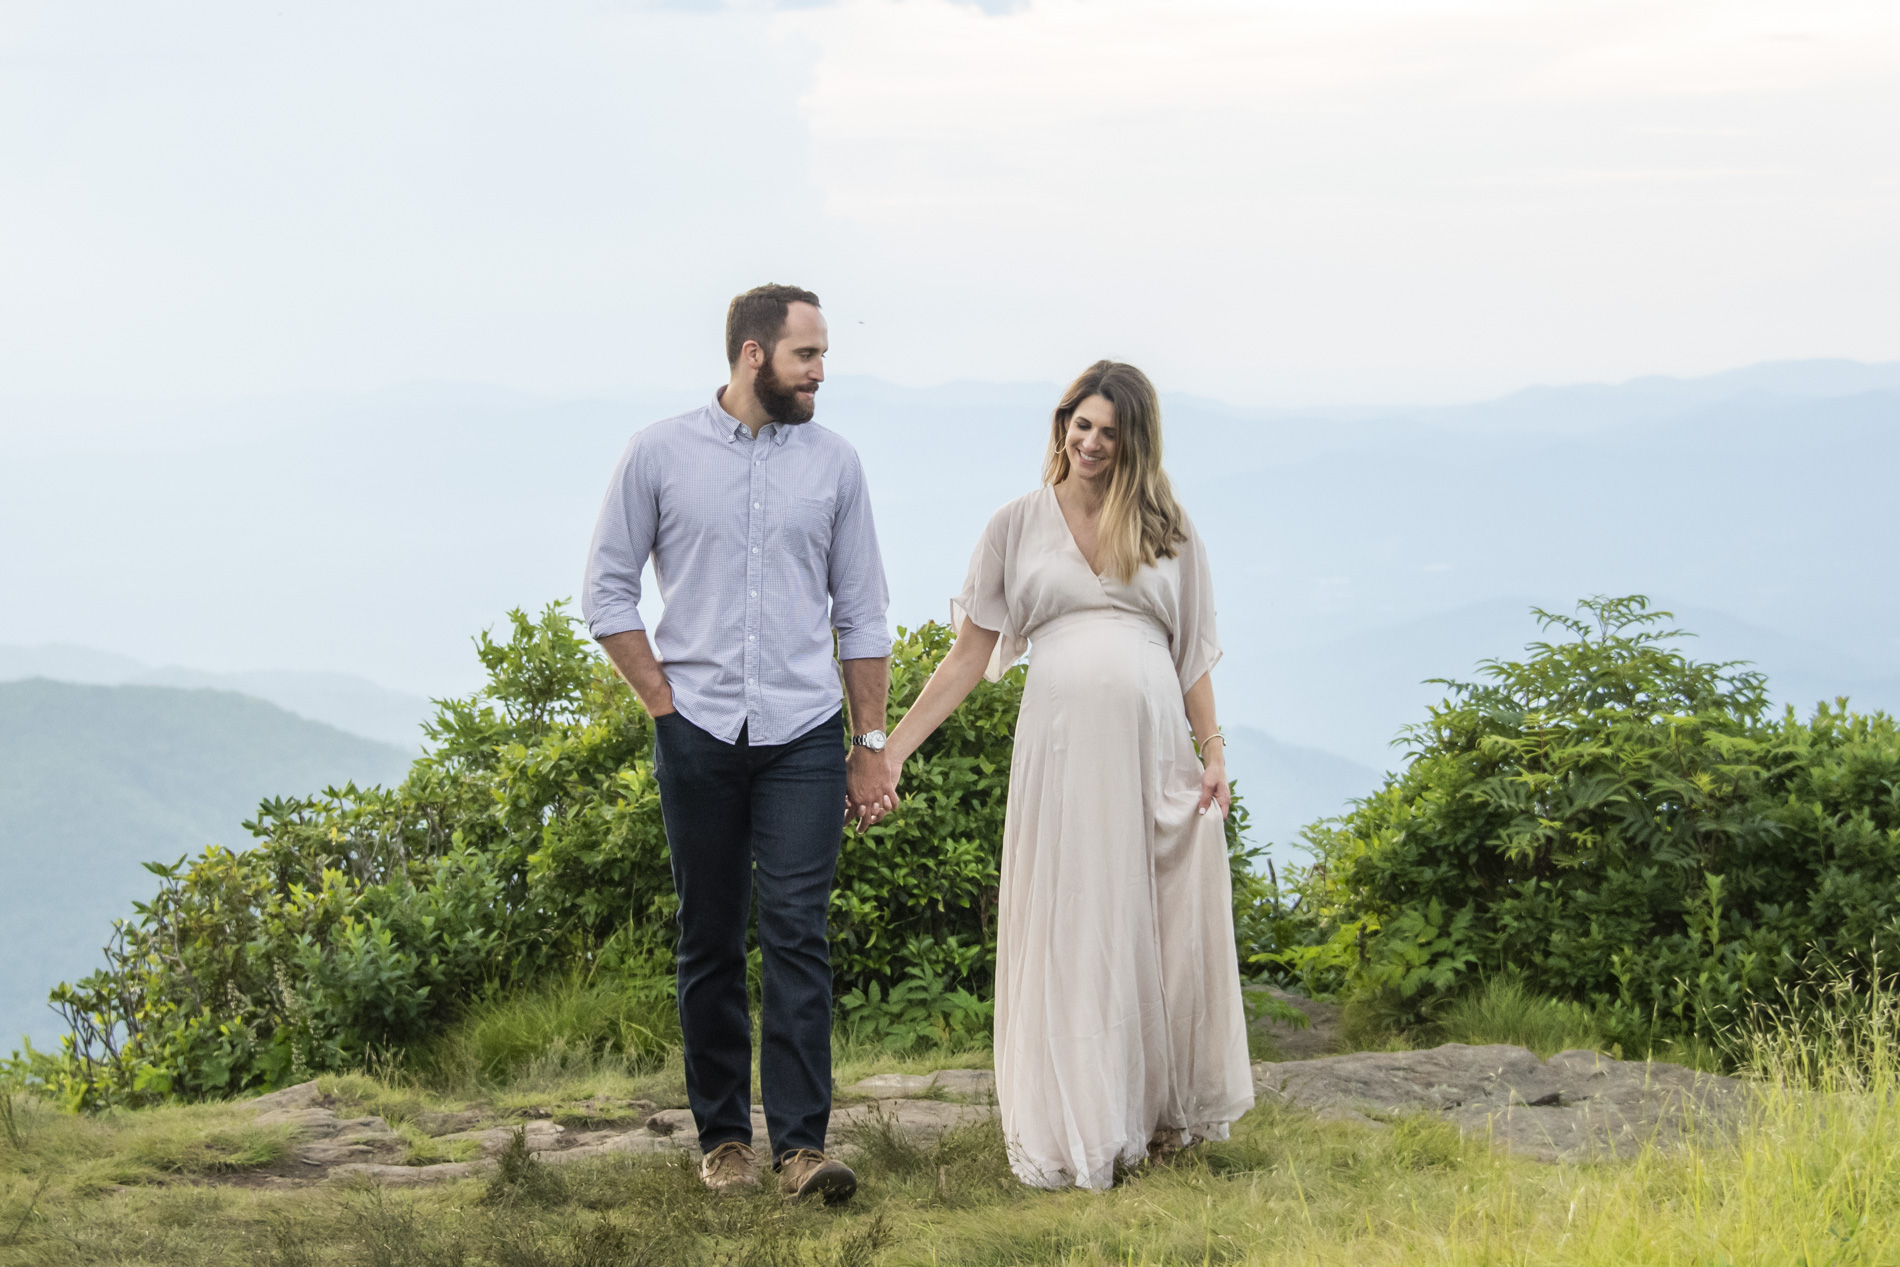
<point>870,781</point>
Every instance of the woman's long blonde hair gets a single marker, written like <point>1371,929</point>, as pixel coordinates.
<point>1141,521</point>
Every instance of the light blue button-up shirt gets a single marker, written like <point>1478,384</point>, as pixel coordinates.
<point>762,547</point>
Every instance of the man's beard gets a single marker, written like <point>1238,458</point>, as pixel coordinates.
<point>781,398</point>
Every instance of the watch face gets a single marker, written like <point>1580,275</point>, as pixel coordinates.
<point>873,739</point>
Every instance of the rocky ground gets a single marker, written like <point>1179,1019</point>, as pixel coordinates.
<point>334,1147</point>
<point>1576,1106</point>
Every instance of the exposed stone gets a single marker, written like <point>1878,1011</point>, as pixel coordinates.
<point>313,1122</point>
<point>448,1123</point>
<point>1576,1106</point>
<point>962,1084</point>
<point>923,1121</point>
<point>330,1153</point>
<point>891,1085</point>
<point>540,1136</point>
<point>679,1122</point>
<point>600,1111</point>
<point>363,1130</point>
<point>412,1176</point>
<point>337,1140</point>
<point>966,1084</point>
<point>609,1143</point>
<point>302,1096</point>
<point>669,1121</point>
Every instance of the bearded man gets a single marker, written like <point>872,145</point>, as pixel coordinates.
<point>758,524</point>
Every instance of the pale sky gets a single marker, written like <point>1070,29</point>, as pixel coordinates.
<point>1272,203</point>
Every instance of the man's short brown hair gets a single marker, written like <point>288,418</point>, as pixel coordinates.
<point>758,316</point>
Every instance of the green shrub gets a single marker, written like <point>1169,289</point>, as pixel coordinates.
<point>525,848</point>
<point>1623,826</point>
<point>363,919</point>
<point>913,912</point>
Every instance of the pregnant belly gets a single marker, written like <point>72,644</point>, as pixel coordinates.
<point>1109,661</point>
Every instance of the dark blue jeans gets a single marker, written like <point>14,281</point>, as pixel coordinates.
<point>733,811</point>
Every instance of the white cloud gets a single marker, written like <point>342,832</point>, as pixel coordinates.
<point>1258,199</point>
<point>1301,198</point>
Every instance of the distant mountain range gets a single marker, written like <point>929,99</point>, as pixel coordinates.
<point>96,780</point>
<point>349,703</point>
<point>1286,788</point>
<point>371,535</point>
<point>1357,552</point>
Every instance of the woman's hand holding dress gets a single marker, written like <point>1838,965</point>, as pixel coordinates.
<point>1214,790</point>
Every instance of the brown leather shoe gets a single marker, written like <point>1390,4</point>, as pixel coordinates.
<point>729,1167</point>
<point>808,1172</point>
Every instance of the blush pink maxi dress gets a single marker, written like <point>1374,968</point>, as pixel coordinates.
<point>1118,1009</point>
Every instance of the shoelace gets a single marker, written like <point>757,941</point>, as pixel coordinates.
<point>730,1149</point>
<point>802,1154</point>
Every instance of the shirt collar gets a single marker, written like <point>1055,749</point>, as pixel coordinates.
<point>730,429</point>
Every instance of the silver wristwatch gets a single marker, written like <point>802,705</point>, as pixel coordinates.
<point>872,739</point>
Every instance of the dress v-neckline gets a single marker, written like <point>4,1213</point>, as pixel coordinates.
<point>1069,534</point>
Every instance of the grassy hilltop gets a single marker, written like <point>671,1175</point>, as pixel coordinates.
<point>1809,1179</point>
<point>1606,845</point>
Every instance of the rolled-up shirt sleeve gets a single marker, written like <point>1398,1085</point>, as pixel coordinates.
<point>860,597</point>
<point>623,539</point>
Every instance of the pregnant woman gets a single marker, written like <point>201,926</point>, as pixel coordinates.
<point>1119,1028</point>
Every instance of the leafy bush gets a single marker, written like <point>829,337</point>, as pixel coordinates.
<point>363,918</point>
<point>525,848</point>
<point>1625,827</point>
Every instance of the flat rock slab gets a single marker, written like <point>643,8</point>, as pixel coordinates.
<point>669,1131</point>
<point>958,1084</point>
<point>922,1122</point>
<point>324,1138</point>
<point>677,1124</point>
<point>540,1137</point>
<point>302,1096</point>
<point>1576,1106</point>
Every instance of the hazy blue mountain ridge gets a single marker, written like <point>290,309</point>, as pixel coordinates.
<point>97,780</point>
<point>351,704</point>
<point>1287,787</point>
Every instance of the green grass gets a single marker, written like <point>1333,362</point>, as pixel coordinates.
<point>1504,1011</point>
<point>1814,1176</point>
<point>1798,1185</point>
<point>550,1034</point>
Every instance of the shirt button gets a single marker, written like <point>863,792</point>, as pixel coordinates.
<point>755,549</point>
<point>755,593</point>
<point>752,637</point>
<point>755,505</point>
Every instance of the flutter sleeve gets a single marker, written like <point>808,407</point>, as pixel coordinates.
<point>984,601</point>
<point>1196,641</point>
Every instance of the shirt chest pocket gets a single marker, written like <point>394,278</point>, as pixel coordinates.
<point>808,523</point>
